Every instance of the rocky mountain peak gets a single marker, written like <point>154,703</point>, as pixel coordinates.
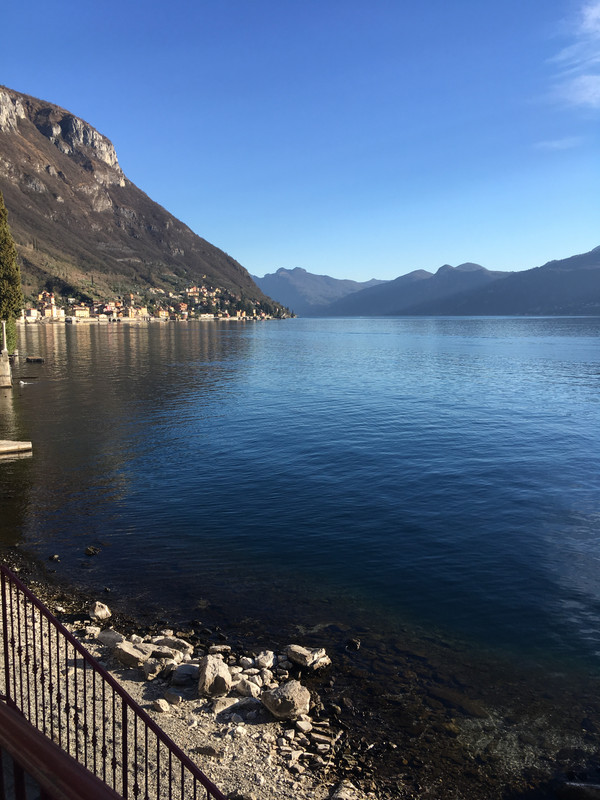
<point>11,110</point>
<point>71,135</point>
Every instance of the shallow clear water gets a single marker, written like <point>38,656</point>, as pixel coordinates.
<point>444,471</point>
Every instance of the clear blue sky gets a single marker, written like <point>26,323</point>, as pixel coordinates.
<point>352,138</point>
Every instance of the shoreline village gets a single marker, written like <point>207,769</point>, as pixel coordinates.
<point>154,305</point>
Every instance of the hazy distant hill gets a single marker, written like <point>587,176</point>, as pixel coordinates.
<point>306,293</point>
<point>79,224</point>
<point>404,294</point>
<point>566,287</point>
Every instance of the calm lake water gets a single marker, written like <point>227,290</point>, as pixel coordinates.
<point>444,472</point>
<point>430,486</point>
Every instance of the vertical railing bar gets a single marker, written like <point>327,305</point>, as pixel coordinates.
<point>12,644</point>
<point>103,731</point>
<point>43,676</point>
<point>85,716</point>
<point>59,697</point>
<point>60,685</point>
<point>146,760</point>
<point>68,724</point>
<point>27,676</point>
<point>94,739</point>
<point>50,699</point>
<point>35,665</point>
<point>114,743</point>
<point>5,640</point>
<point>20,651</point>
<point>135,755</point>
<point>124,753</point>
<point>75,701</point>
<point>170,775</point>
<point>158,767</point>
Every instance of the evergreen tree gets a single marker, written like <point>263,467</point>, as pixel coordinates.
<point>11,296</point>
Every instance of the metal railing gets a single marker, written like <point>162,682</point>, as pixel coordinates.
<point>34,768</point>
<point>63,692</point>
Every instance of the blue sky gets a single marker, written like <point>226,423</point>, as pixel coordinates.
<point>356,139</point>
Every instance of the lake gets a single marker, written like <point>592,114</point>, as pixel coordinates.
<point>436,479</point>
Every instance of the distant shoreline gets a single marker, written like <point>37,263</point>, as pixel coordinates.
<point>132,320</point>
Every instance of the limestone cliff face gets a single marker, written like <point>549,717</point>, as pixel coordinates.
<point>75,216</point>
<point>69,134</point>
<point>11,110</point>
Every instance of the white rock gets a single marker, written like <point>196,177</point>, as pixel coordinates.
<point>222,704</point>
<point>246,662</point>
<point>184,674</point>
<point>132,655</point>
<point>92,631</point>
<point>160,705</point>
<point>246,688</point>
<point>288,701</point>
<point>214,678</point>
<point>219,648</point>
<point>135,639</point>
<point>313,659</point>
<point>160,651</point>
<point>99,611</point>
<point>266,660</point>
<point>110,637</point>
<point>174,644</point>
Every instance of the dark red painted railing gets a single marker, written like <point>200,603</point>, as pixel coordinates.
<point>33,766</point>
<point>52,680</point>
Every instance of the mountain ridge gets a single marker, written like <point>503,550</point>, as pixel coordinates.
<point>81,226</point>
<point>305,292</point>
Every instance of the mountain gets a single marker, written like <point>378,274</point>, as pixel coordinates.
<point>81,226</point>
<point>570,286</point>
<point>408,293</point>
<point>307,293</point>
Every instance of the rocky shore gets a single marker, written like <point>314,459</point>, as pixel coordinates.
<point>373,719</point>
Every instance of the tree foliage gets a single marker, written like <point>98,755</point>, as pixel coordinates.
<point>11,296</point>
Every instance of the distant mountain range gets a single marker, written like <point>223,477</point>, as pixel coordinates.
<point>305,293</point>
<point>82,227</point>
<point>570,286</point>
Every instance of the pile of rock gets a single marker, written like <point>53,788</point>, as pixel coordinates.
<point>237,688</point>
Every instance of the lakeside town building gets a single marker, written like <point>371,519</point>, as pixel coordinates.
<point>196,302</point>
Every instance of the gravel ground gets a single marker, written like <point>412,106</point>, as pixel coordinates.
<point>242,749</point>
